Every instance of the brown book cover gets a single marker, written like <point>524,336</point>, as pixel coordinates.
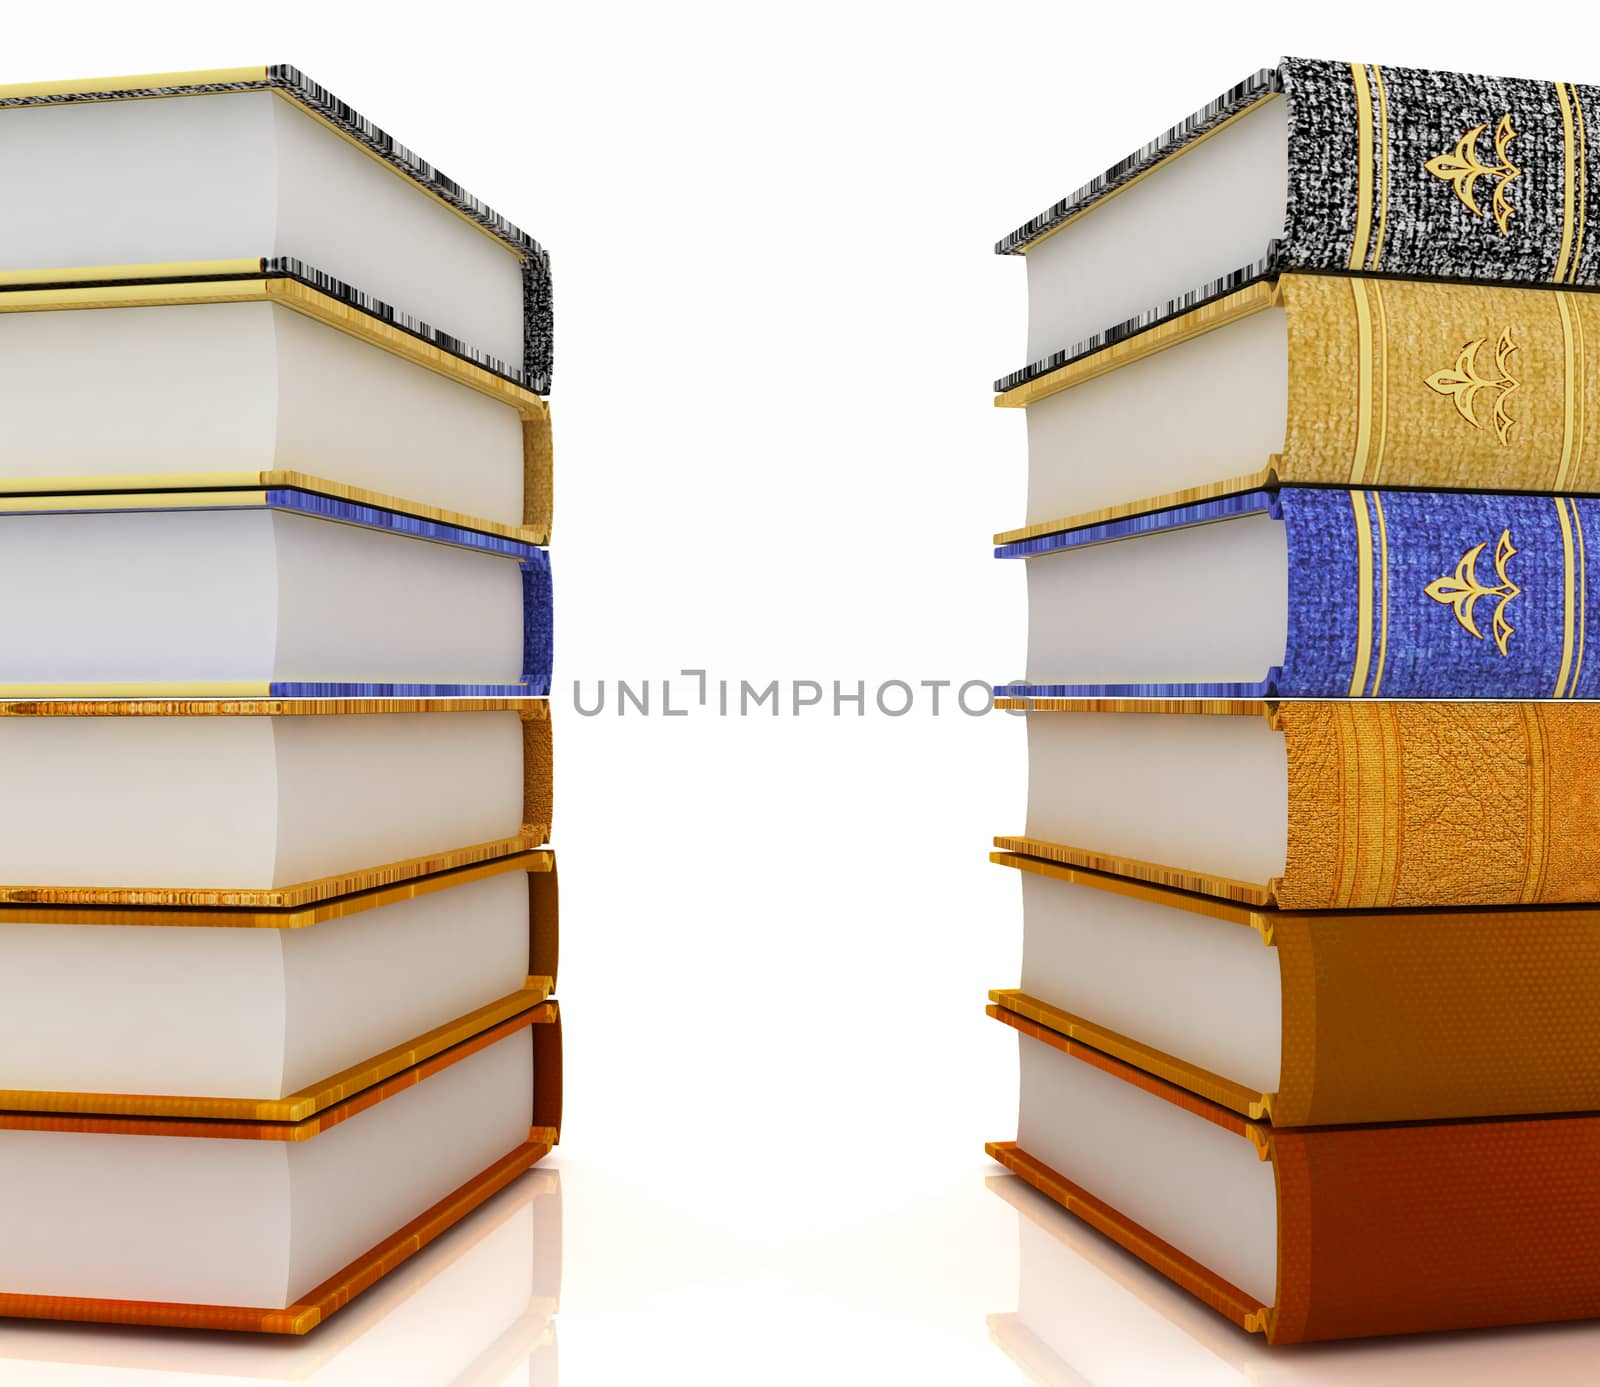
<point>1382,1229</point>
<point>1388,1016</point>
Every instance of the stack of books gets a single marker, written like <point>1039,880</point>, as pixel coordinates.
<point>277,914</point>
<point>1311,949</point>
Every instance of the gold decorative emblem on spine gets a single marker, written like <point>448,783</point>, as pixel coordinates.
<point>1462,590</point>
<point>1464,382</point>
<point>1462,169</point>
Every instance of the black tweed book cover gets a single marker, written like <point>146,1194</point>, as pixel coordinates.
<point>1396,171</point>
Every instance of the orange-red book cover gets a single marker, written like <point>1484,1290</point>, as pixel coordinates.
<point>542,1024</point>
<point>1380,1229</point>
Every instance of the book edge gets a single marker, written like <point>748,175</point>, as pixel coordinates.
<point>318,1304</point>
<point>1262,85</point>
<point>1156,1253</point>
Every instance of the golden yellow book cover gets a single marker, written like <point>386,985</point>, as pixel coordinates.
<point>1331,804</point>
<point>1384,382</point>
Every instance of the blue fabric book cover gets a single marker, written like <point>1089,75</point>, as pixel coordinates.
<point>1401,594</point>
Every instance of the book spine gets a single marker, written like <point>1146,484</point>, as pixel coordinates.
<point>1426,1227</point>
<point>1414,594</point>
<point>1436,1015</point>
<point>538,652</point>
<point>1398,383</point>
<point>1440,804</point>
<point>1439,175</point>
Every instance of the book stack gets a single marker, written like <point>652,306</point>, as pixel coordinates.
<point>1310,872</point>
<point>277,918</point>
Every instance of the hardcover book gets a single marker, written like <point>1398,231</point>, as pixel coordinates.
<point>1321,380</point>
<point>1320,805</point>
<point>257,380</point>
<point>1317,1018</point>
<point>265,593</point>
<point>1328,167</point>
<point>1088,1311</point>
<point>1314,1233</point>
<point>264,1014</point>
<point>269,1226</point>
<point>1319,593</point>
<point>474,1308</point>
<point>262,804</point>
<point>260,164</point>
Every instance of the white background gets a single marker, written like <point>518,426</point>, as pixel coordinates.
<point>778,316</point>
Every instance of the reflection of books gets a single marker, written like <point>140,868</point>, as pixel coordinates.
<point>475,1308</point>
<point>1090,1315</point>
<point>269,1226</point>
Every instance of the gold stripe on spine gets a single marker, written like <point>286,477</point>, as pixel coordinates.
<point>1364,584</point>
<point>1363,227</point>
<point>1393,793</point>
<point>1383,589</point>
<point>1368,741</point>
<point>1568,182</point>
<point>1364,365</point>
<point>1376,443</point>
<point>1581,196</point>
<point>1538,832</point>
<point>1563,686</point>
<point>1383,166</point>
<point>1573,388</point>
<point>1349,765</point>
<point>1168,333</point>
